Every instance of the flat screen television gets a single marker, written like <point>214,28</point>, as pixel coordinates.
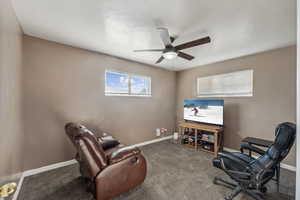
<point>204,111</point>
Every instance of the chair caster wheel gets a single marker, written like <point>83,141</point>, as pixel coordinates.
<point>264,189</point>
<point>215,181</point>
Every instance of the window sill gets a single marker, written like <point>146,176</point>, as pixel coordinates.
<point>127,95</point>
<point>225,95</point>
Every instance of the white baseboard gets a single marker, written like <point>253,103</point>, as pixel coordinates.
<point>282,165</point>
<point>152,141</point>
<point>10,178</point>
<point>16,194</point>
<point>66,163</point>
<point>47,168</point>
<point>14,177</point>
<point>70,162</point>
<point>39,170</point>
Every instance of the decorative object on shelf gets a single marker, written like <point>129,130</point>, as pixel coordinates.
<point>7,190</point>
<point>175,136</point>
<point>208,137</point>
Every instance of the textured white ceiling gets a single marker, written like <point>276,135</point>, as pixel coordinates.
<point>117,27</point>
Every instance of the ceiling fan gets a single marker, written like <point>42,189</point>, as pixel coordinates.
<point>170,51</point>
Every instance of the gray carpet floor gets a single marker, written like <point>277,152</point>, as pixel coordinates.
<point>174,172</point>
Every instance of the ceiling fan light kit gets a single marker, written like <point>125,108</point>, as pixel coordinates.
<point>170,52</point>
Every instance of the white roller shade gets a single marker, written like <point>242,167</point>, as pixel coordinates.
<point>225,85</point>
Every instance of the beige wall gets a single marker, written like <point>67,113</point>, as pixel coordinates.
<point>11,136</point>
<point>274,99</point>
<point>63,84</point>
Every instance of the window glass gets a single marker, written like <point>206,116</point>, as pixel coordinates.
<point>140,85</point>
<point>126,84</point>
<point>116,83</point>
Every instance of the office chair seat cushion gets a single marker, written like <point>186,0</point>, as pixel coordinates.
<point>244,157</point>
<point>232,165</point>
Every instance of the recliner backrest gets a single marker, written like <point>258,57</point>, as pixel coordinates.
<point>89,159</point>
<point>89,149</point>
<point>72,131</point>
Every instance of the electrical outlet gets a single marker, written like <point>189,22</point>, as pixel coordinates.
<point>158,132</point>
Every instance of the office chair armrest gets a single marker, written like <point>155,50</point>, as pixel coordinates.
<point>251,148</point>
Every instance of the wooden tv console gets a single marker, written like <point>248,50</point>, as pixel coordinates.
<point>189,136</point>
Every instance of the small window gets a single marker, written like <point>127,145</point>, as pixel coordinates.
<point>233,84</point>
<point>122,84</point>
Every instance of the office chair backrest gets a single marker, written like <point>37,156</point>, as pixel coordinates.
<point>285,136</point>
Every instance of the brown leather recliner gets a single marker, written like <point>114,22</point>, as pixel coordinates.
<point>109,172</point>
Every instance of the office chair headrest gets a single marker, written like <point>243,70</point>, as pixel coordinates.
<point>285,136</point>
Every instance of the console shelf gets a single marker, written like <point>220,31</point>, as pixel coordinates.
<point>208,138</point>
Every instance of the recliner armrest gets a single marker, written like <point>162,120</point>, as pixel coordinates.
<point>108,144</point>
<point>123,153</point>
<point>120,177</point>
<point>252,148</point>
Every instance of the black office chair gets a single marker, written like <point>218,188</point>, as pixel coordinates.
<point>249,174</point>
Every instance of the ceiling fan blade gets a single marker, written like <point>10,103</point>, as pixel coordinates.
<point>193,43</point>
<point>159,60</point>
<point>185,56</point>
<point>148,50</point>
<point>165,36</point>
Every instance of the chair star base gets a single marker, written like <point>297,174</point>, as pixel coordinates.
<point>237,189</point>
